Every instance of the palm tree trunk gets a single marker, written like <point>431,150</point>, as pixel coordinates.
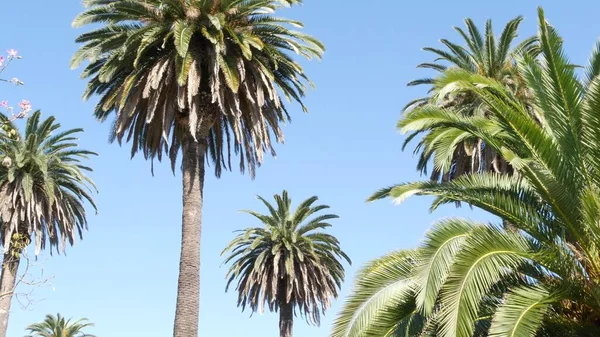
<point>286,317</point>
<point>188,288</point>
<point>8,279</point>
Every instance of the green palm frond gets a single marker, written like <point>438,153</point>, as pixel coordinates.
<point>522,313</point>
<point>436,256</point>
<point>382,301</point>
<point>487,257</point>
<point>593,67</point>
<point>509,34</point>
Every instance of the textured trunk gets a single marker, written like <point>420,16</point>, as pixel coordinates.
<point>286,317</point>
<point>188,288</point>
<point>8,278</point>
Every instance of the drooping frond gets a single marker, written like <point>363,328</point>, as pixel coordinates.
<point>436,256</point>
<point>382,302</point>
<point>522,312</point>
<point>487,256</point>
<point>216,70</point>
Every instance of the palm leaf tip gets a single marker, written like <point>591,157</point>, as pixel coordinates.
<point>380,194</point>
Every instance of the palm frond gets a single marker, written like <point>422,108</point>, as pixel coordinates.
<point>382,298</point>
<point>522,313</point>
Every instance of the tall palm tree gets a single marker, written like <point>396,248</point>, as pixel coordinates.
<point>287,263</point>
<point>454,153</point>
<point>544,278</point>
<point>203,76</point>
<point>43,189</point>
<point>57,326</point>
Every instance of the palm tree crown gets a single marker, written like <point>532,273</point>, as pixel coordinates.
<point>454,153</point>
<point>288,260</point>
<point>212,68</point>
<point>543,279</point>
<point>57,326</point>
<point>43,184</point>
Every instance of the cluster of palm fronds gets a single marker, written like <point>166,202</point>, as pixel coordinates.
<point>542,276</point>
<point>59,326</point>
<point>454,152</point>
<point>215,69</point>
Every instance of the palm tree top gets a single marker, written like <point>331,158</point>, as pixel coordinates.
<point>483,53</point>
<point>43,185</point>
<point>289,253</point>
<point>449,152</point>
<point>58,326</point>
<point>214,68</point>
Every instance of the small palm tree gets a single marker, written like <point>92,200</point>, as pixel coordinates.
<point>43,187</point>
<point>200,76</point>
<point>543,278</point>
<point>287,263</point>
<point>57,326</point>
<point>455,153</point>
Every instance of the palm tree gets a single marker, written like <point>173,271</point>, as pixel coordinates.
<point>43,187</point>
<point>287,263</point>
<point>455,153</point>
<point>203,76</point>
<point>57,326</point>
<point>544,278</point>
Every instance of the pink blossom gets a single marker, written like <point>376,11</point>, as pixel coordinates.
<point>1,60</point>
<point>12,53</point>
<point>25,106</point>
<point>4,104</point>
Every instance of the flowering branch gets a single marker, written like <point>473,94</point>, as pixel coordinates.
<point>24,105</point>
<point>5,62</point>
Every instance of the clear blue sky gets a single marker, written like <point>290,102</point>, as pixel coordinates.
<point>123,275</point>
